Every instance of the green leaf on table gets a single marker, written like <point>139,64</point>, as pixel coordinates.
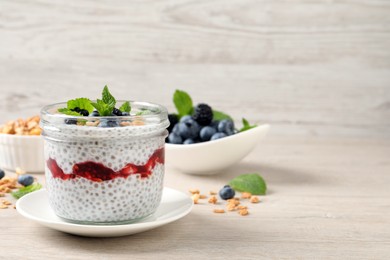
<point>251,182</point>
<point>183,103</point>
<point>218,115</point>
<point>246,125</point>
<point>25,190</point>
<point>107,97</point>
<point>125,107</point>
<point>68,112</point>
<point>81,103</point>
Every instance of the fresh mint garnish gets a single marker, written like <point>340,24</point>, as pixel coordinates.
<point>246,125</point>
<point>103,108</point>
<point>252,183</point>
<point>183,103</point>
<point>105,105</point>
<point>25,190</point>
<point>68,112</point>
<point>218,115</point>
<point>81,103</point>
<point>107,97</point>
<point>125,107</point>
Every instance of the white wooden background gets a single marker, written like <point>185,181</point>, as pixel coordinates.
<point>307,67</point>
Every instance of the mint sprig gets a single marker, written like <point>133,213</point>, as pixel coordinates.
<point>107,97</point>
<point>25,190</point>
<point>183,103</point>
<point>125,107</point>
<point>105,105</point>
<point>252,183</point>
<point>246,125</point>
<point>81,103</point>
<point>68,112</point>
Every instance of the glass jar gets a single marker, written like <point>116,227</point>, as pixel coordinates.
<point>105,170</point>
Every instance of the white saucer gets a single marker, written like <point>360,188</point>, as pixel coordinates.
<point>174,205</point>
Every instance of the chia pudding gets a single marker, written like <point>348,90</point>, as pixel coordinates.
<point>105,175</point>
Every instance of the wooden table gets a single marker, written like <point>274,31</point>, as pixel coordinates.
<point>317,71</point>
<point>328,198</point>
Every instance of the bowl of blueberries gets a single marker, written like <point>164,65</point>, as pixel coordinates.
<point>206,141</point>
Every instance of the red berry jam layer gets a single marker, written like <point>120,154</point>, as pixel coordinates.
<point>97,172</point>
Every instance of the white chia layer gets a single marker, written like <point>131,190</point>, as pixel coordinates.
<point>116,200</point>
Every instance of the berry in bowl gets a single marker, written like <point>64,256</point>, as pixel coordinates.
<point>21,146</point>
<point>204,141</point>
<point>104,164</point>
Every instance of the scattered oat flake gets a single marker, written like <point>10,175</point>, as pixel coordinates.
<point>202,197</point>
<point>194,191</point>
<point>213,200</point>
<point>195,198</point>
<point>231,207</point>
<point>212,192</point>
<point>3,206</point>
<point>255,199</point>
<point>246,195</point>
<point>243,212</point>
<point>219,211</point>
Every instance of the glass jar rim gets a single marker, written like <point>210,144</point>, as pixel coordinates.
<point>136,124</point>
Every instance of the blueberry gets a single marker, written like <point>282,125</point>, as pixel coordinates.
<point>2,174</point>
<point>226,126</point>
<point>214,124</point>
<point>189,141</point>
<point>84,112</point>
<point>218,136</point>
<point>189,129</point>
<point>185,118</point>
<point>76,109</point>
<point>227,192</point>
<point>94,113</point>
<point>70,121</point>
<point>117,112</point>
<point>175,129</point>
<point>173,120</point>
<point>125,113</point>
<point>108,123</point>
<point>25,180</point>
<point>206,133</point>
<point>175,139</point>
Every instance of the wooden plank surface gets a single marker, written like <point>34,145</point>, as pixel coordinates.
<point>317,71</point>
<point>327,199</point>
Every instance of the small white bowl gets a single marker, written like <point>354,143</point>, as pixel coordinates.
<point>22,151</point>
<point>211,157</point>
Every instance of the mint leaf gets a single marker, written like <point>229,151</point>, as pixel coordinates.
<point>183,103</point>
<point>25,190</point>
<point>82,103</point>
<point>125,107</point>
<point>246,125</point>
<point>68,112</point>
<point>218,115</point>
<point>103,108</point>
<point>107,97</point>
<point>252,183</point>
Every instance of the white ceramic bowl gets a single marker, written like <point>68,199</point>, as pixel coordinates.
<point>211,157</point>
<point>21,151</point>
